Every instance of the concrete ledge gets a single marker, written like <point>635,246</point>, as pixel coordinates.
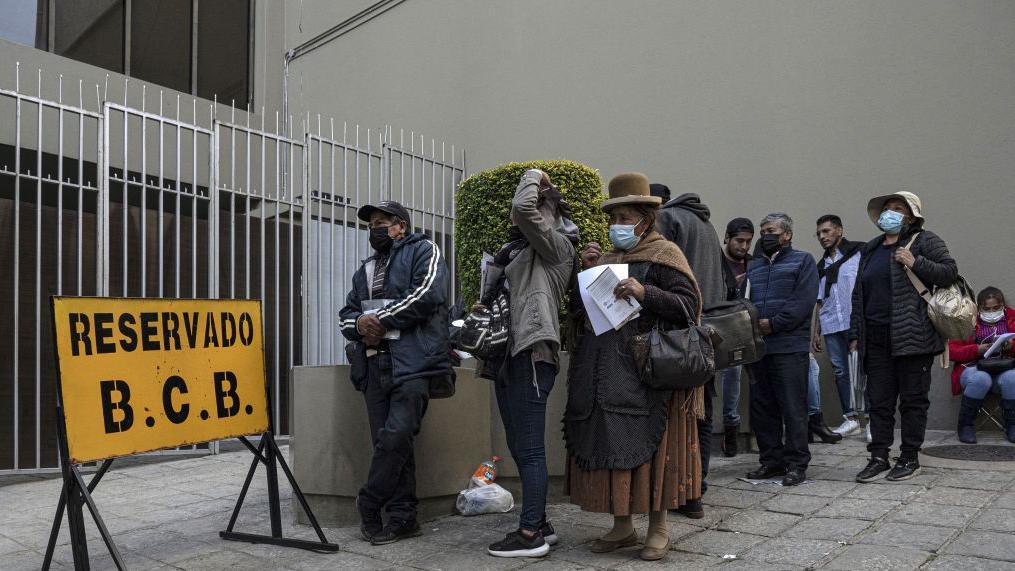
<point>330,449</point>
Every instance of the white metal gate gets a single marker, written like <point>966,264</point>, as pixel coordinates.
<point>177,201</point>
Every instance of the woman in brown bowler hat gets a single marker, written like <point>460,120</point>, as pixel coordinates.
<point>633,449</point>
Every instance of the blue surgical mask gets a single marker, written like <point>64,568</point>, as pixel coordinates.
<point>623,236</point>
<point>992,316</point>
<point>891,221</point>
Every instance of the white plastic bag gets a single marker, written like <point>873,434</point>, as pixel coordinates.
<point>484,500</point>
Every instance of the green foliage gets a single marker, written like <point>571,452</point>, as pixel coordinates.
<point>483,208</point>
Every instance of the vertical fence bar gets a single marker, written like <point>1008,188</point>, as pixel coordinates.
<point>193,210</point>
<point>278,216</point>
<point>246,211</point>
<point>38,274</point>
<point>144,192</point>
<point>161,191</point>
<point>81,180</point>
<point>232,201</point>
<point>17,266</point>
<point>320,228</point>
<point>179,211</point>
<point>125,178</point>
<point>330,314</point>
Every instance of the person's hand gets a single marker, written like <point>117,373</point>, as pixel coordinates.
<point>629,287</point>
<point>854,346</point>
<point>982,348</point>
<point>368,324</point>
<point>905,257</point>
<point>590,255</point>
<point>371,340</point>
<point>766,326</point>
<point>544,182</point>
<point>816,346</point>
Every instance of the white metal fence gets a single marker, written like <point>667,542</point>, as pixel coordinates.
<point>181,201</point>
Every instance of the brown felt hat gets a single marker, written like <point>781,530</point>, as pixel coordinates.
<point>630,188</point>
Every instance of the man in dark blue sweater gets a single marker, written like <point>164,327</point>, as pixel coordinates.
<point>783,286</point>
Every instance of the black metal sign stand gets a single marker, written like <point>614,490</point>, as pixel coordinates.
<point>75,495</point>
<point>267,453</point>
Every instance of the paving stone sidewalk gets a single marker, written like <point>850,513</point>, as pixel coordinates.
<point>167,515</point>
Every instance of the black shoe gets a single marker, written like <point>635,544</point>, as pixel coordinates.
<point>548,533</point>
<point>794,478</point>
<point>874,470</point>
<point>370,522</point>
<point>729,441</point>
<point>904,469</point>
<point>816,427</point>
<point>766,472</point>
<point>397,530</point>
<point>691,509</point>
<point>515,544</point>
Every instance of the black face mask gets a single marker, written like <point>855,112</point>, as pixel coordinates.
<point>770,244</point>
<point>380,240</point>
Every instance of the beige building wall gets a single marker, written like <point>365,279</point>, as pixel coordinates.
<point>801,106</point>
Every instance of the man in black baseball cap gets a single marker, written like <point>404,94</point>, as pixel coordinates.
<point>386,206</point>
<point>395,318</point>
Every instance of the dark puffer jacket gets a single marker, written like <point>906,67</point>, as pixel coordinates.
<point>911,330</point>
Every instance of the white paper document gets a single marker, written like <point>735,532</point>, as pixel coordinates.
<point>373,306</point>
<point>605,311</point>
<point>484,262</point>
<point>1001,339</point>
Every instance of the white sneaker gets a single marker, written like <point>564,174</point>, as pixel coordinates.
<point>868,435</point>
<point>850,426</point>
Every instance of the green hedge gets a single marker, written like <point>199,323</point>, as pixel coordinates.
<point>483,209</point>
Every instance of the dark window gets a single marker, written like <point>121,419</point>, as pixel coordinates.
<point>160,41</point>
<point>91,32</point>
<point>25,23</point>
<point>222,50</point>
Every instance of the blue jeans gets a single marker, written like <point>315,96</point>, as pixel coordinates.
<point>976,384</point>
<point>837,345</point>
<point>522,405</point>
<point>779,410</point>
<point>813,386</point>
<point>730,396</point>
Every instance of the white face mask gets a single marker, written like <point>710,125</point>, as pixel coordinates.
<point>992,316</point>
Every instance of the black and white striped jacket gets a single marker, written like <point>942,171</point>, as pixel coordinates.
<point>417,279</point>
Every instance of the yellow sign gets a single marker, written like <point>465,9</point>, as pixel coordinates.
<point>138,375</point>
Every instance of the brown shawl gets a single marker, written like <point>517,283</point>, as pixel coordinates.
<point>655,249</point>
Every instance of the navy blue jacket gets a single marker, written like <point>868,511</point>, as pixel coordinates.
<point>784,292</point>
<point>418,280</point>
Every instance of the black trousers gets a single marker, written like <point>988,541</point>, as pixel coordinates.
<point>395,413</point>
<point>895,380</point>
<point>778,404</point>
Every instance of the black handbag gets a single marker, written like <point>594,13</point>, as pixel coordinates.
<point>736,332</point>
<point>995,365</point>
<point>680,359</point>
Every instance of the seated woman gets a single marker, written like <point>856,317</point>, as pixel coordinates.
<point>633,449</point>
<point>974,376</point>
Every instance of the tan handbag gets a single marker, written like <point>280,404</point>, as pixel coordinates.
<point>951,309</point>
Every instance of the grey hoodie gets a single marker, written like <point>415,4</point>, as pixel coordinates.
<point>685,222</point>
<point>539,275</point>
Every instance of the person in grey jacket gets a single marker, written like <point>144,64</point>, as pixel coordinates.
<point>685,221</point>
<point>538,260</point>
<point>891,329</point>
